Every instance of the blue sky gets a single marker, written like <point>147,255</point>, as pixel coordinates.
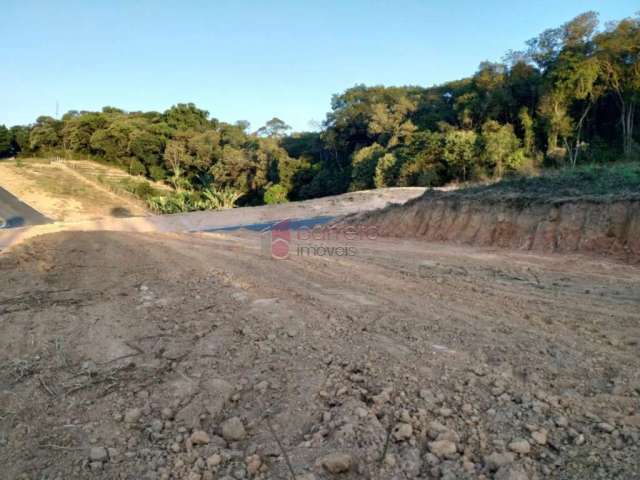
<point>252,60</point>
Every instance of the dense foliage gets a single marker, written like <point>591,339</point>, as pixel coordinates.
<point>569,98</point>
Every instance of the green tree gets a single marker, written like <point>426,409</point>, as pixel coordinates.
<point>5,142</point>
<point>526,123</point>
<point>385,175</point>
<point>78,129</point>
<point>46,134</point>
<point>20,139</point>
<point>460,153</point>
<point>275,194</point>
<point>619,58</point>
<point>391,123</point>
<point>274,128</point>
<point>364,166</point>
<point>500,147</point>
<point>176,157</point>
<point>186,116</point>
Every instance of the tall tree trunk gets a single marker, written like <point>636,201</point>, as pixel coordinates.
<point>627,128</point>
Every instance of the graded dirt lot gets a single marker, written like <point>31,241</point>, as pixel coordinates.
<point>157,356</point>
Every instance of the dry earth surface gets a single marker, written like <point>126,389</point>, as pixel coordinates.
<point>176,356</point>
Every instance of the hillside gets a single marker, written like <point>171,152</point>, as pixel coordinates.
<point>72,191</point>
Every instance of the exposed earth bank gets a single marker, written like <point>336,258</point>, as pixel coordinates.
<point>591,225</point>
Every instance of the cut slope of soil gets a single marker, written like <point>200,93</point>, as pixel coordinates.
<point>548,215</point>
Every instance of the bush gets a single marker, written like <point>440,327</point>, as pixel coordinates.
<point>136,167</point>
<point>143,190</point>
<point>157,173</point>
<point>275,194</point>
<point>188,201</point>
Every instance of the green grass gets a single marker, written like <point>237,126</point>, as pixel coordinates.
<point>141,189</point>
<point>621,180</point>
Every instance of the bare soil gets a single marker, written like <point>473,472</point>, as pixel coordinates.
<point>606,225</point>
<point>125,355</point>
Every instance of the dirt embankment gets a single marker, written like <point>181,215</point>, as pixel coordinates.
<point>593,225</point>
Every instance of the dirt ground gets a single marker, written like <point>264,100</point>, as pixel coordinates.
<point>63,194</point>
<point>175,356</point>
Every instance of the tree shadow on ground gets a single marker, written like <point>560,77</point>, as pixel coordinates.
<point>120,212</point>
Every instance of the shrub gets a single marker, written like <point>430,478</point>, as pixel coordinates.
<point>157,173</point>
<point>275,194</point>
<point>136,167</point>
<point>188,201</point>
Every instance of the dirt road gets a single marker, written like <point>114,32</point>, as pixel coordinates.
<point>196,356</point>
<point>14,213</point>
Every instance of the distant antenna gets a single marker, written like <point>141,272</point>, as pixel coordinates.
<point>57,109</point>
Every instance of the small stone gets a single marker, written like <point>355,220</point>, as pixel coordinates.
<point>435,428</point>
<point>253,464</point>
<point>338,462</point>
<point>361,412</point>
<point>402,431</point>
<point>98,454</point>
<point>520,445</point>
<point>606,427</point>
<point>443,448</point>
<point>214,460</point>
<point>468,466</point>
<point>511,472</point>
<point>497,460</point>
<point>540,436</point>
<point>233,430</point>
<point>445,412</point>
<point>562,421</point>
<point>427,396</point>
<point>199,437</point>
<point>157,425</point>
<point>431,459</point>
<point>262,387</point>
<point>132,415</point>
<point>450,435</point>
<point>166,413</point>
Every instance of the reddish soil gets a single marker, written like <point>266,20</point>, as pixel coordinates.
<point>601,226</point>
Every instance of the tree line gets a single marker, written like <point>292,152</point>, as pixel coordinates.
<point>569,97</point>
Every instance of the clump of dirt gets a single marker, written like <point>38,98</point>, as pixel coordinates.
<point>593,212</point>
<point>158,357</point>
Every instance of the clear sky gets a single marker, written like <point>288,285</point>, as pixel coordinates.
<point>252,60</point>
